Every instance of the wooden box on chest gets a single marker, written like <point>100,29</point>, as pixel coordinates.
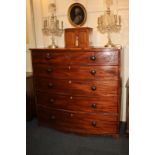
<point>78,37</point>
<point>78,90</point>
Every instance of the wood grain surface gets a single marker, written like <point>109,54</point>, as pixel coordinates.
<point>78,89</point>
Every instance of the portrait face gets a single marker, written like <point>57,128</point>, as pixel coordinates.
<point>77,14</point>
<point>78,11</point>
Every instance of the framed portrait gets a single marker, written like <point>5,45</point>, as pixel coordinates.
<point>77,14</point>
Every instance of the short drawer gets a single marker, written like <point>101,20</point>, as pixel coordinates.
<point>77,87</point>
<point>94,72</point>
<point>78,103</point>
<point>79,122</point>
<point>50,57</point>
<point>107,58</point>
<point>51,71</point>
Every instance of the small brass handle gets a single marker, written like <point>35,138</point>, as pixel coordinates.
<point>93,105</point>
<point>93,72</point>
<point>93,123</point>
<point>50,85</point>
<point>93,58</point>
<point>93,88</point>
<point>52,100</point>
<point>53,117</point>
<point>48,56</point>
<point>49,70</point>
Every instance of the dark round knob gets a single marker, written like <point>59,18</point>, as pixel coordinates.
<point>50,85</point>
<point>52,117</point>
<point>52,100</point>
<point>93,72</point>
<point>93,58</point>
<point>48,56</point>
<point>49,70</point>
<point>93,105</point>
<point>93,88</point>
<point>93,123</point>
<point>71,115</point>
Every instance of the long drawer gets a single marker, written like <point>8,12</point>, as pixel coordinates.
<point>79,122</point>
<point>81,57</point>
<point>77,103</point>
<point>76,72</point>
<point>77,87</point>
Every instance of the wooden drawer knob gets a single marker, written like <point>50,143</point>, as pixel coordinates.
<point>93,58</point>
<point>93,105</point>
<point>52,117</point>
<point>71,115</point>
<point>93,88</point>
<point>93,123</point>
<point>93,72</point>
<point>49,70</point>
<point>48,56</point>
<point>50,85</point>
<point>51,100</point>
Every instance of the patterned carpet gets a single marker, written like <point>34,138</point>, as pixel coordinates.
<point>46,141</point>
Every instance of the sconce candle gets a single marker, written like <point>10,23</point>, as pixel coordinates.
<point>119,20</point>
<point>115,17</point>
<point>45,23</point>
<point>62,24</point>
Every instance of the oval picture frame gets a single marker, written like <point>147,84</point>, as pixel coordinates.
<point>77,14</point>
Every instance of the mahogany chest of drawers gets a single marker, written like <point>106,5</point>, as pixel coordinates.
<point>78,90</point>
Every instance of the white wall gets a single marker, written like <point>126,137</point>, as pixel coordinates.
<point>31,38</point>
<point>94,9</point>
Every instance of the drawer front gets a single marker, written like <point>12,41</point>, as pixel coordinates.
<point>77,87</point>
<point>77,103</point>
<point>106,58</point>
<point>79,121</point>
<point>81,57</point>
<point>51,71</point>
<point>76,72</point>
<point>94,72</point>
<point>50,57</point>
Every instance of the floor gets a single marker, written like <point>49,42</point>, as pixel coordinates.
<point>46,141</point>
